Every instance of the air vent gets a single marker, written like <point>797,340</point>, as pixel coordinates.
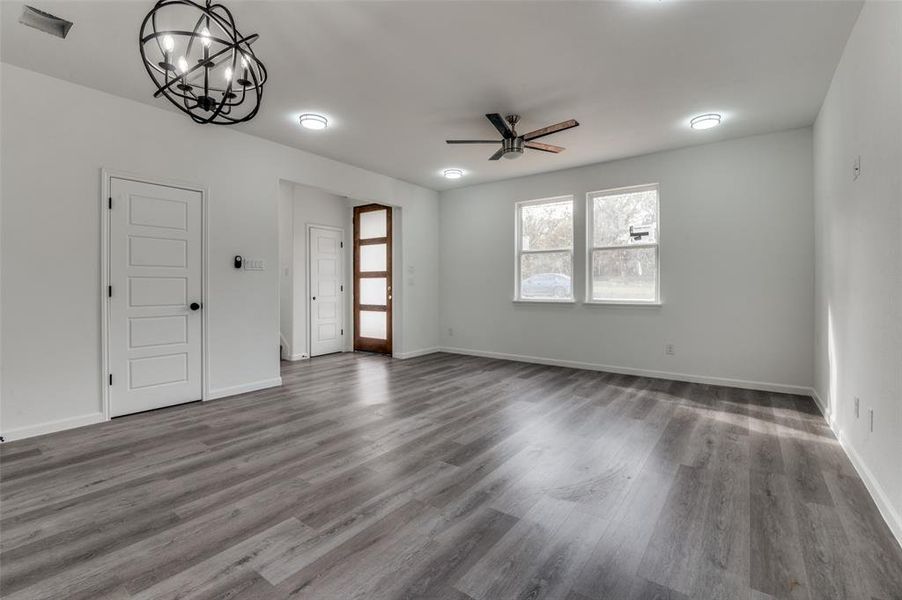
<point>45,22</point>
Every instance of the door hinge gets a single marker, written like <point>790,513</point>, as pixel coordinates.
<point>111,379</point>
<point>341,288</point>
<point>111,202</point>
<point>342,332</point>
<point>109,291</point>
<point>341,244</point>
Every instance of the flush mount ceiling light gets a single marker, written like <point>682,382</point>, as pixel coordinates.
<point>706,121</point>
<point>199,61</point>
<point>453,173</point>
<point>313,121</point>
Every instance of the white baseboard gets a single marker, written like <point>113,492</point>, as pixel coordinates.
<point>737,383</point>
<point>878,494</point>
<point>52,426</point>
<point>295,357</point>
<point>244,388</point>
<point>415,353</point>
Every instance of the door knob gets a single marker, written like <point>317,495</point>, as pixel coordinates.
<point>194,306</point>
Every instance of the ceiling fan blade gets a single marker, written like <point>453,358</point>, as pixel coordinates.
<point>501,125</point>
<point>550,129</point>
<point>472,141</point>
<point>497,155</point>
<point>544,147</point>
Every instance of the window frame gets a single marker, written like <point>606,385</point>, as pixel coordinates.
<point>519,252</point>
<point>591,247</point>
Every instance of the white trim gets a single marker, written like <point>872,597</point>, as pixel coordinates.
<point>105,176</point>
<point>53,426</point>
<point>415,353</point>
<point>543,301</point>
<point>878,494</point>
<point>737,383</point>
<point>245,388</point>
<point>294,357</point>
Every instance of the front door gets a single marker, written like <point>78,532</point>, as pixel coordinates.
<point>326,291</point>
<point>154,296</point>
<point>372,278</point>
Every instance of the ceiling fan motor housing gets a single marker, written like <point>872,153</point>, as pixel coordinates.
<point>513,147</point>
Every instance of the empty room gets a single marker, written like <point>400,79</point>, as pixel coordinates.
<point>450,299</point>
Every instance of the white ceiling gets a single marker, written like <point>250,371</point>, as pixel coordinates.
<point>398,78</point>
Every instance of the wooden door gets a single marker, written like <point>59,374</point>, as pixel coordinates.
<point>373,278</point>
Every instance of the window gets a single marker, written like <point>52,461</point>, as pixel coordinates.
<point>623,246</point>
<point>544,269</point>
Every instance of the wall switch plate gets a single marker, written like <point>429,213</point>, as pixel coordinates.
<point>254,264</point>
<point>856,168</point>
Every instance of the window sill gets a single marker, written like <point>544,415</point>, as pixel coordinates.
<point>656,304</point>
<point>544,301</point>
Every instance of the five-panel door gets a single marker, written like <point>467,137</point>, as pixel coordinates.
<point>154,297</point>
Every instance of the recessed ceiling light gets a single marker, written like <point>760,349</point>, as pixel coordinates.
<point>453,173</point>
<point>313,121</point>
<point>706,121</point>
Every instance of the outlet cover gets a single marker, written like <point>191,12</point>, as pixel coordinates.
<point>856,168</point>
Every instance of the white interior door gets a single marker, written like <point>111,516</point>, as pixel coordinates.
<point>155,297</point>
<point>326,291</point>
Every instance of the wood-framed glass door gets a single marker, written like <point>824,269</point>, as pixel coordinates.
<point>372,278</point>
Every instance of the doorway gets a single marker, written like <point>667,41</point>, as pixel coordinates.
<point>326,316</point>
<point>373,278</point>
<point>154,295</point>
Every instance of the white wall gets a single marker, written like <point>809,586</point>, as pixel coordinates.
<point>859,252</point>
<point>56,138</point>
<point>314,207</point>
<point>736,267</point>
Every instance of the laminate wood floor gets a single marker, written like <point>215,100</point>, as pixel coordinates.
<point>449,478</point>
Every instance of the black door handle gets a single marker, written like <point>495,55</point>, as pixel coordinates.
<point>194,306</point>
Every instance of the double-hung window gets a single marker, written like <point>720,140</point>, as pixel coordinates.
<point>544,267</point>
<point>623,246</point>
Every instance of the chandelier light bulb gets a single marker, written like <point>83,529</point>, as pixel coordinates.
<point>168,43</point>
<point>205,37</point>
<point>183,64</point>
<point>228,74</point>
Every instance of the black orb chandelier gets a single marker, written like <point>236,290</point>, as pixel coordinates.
<point>201,63</point>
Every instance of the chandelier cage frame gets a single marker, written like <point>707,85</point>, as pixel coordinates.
<point>181,87</point>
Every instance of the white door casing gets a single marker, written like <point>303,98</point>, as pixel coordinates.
<point>155,275</point>
<point>325,268</point>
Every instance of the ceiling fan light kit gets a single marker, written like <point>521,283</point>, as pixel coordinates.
<point>199,61</point>
<point>514,145</point>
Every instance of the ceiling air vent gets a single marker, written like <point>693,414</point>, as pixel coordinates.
<point>45,22</point>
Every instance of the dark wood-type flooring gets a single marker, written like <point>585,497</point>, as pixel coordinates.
<point>448,478</point>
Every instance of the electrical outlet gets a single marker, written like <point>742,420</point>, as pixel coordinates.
<point>669,349</point>
<point>451,332</point>
<point>856,167</point>
<point>856,407</point>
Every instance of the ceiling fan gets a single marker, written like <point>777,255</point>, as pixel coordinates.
<point>514,145</point>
